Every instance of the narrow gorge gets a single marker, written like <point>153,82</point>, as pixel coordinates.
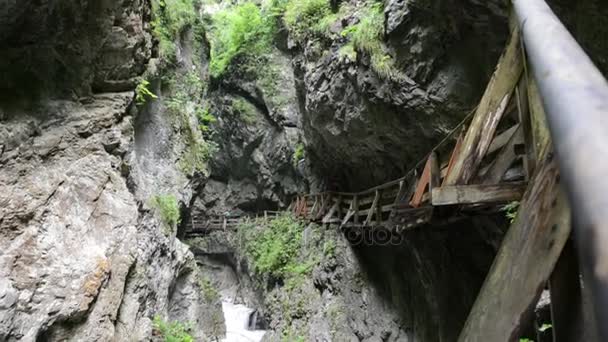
<point>125,123</point>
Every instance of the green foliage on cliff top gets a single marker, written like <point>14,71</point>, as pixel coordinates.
<point>305,16</point>
<point>168,208</point>
<point>367,36</point>
<point>172,331</point>
<point>239,30</point>
<point>169,19</point>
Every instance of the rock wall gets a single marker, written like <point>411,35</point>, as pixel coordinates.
<point>419,288</point>
<point>85,256</point>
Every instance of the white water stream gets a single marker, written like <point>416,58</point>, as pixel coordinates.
<point>237,323</point>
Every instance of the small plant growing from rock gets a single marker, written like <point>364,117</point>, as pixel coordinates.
<point>172,331</point>
<point>142,93</point>
<point>298,154</point>
<point>209,292</point>
<point>168,208</point>
<point>510,211</point>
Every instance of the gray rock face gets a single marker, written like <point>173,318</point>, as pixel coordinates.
<point>84,256</point>
<point>65,47</point>
<point>419,289</point>
<point>363,129</point>
<point>257,131</point>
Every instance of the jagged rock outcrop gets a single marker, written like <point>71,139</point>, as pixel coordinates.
<point>363,129</point>
<point>85,256</point>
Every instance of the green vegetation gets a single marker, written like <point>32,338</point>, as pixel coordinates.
<point>367,36</point>
<point>168,208</point>
<point>275,249</point>
<point>545,327</point>
<point>245,109</point>
<point>298,154</point>
<point>239,30</point>
<point>170,19</point>
<point>303,17</point>
<point>511,211</point>
<point>142,92</point>
<point>209,291</point>
<point>173,331</point>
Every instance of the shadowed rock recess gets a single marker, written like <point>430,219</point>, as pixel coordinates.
<point>123,121</point>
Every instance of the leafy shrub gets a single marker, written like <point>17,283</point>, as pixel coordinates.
<point>298,154</point>
<point>210,293</point>
<point>173,331</point>
<point>304,16</point>
<point>366,36</point>
<point>142,92</point>
<point>274,250</point>
<point>239,30</point>
<point>168,208</point>
<point>170,18</point>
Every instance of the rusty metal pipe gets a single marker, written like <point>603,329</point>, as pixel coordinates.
<point>575,97</point>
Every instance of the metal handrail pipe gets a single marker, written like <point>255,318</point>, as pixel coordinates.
<point>575,98</point>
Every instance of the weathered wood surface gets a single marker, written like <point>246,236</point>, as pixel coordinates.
<point>524,262</point>
<point>504,159</point>
<point>530,248</point>
<point>479,193</point>
<point>491,108</point>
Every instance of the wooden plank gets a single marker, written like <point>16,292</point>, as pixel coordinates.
<point>424,180</point>
<point>368,220</point>
<point>524,262</point>
<point>538,119</point>
<point>454,156</point>
<point>330,214</point>
<point>479,193</point>
<point>400,194</point>
<point>502,139</point>
<point>504,160</point>
<point>488,114</point>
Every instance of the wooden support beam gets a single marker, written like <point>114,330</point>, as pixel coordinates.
<point>502,139</point>
<point>379,209</point>
<point>488,114</point>
<point>424,180</point>
<point>473,194</point>
<point>330,214</point>
<point>435,173</point>
<point>368,220</point>
<point>524,262</point>
<point>454,156</point>
<point>504,160</point>
<point>399,196</point>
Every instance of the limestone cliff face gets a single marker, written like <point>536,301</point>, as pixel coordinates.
<point>84,256</point>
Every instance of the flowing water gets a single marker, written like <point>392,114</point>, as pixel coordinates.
<point>238,321</point>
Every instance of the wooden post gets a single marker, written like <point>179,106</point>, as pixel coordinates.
<point>424,180</point>
<point>435,173</point>
<point>454,156</point>
<point>379,208</point>
<point>488,114</point>
<point>372,209</point>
